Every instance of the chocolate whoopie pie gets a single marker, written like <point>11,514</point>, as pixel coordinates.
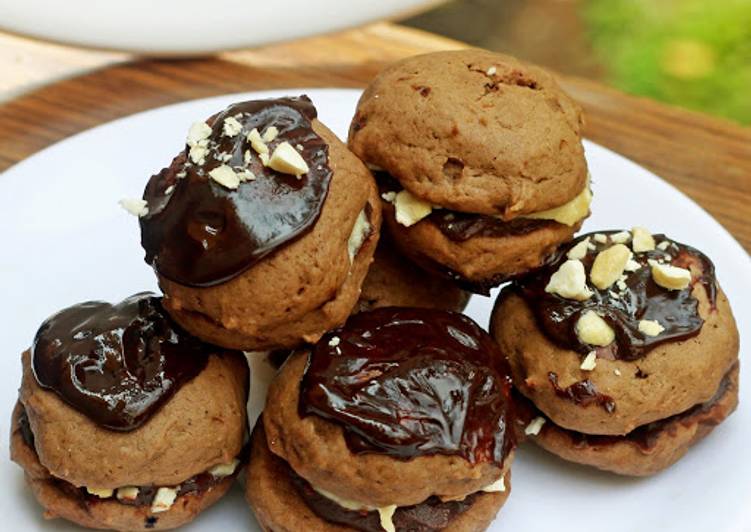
<point>261,231</point>
<point>626,348</point>
<point>479,160</point>
<point>399,420</point>
<point>126,422</point>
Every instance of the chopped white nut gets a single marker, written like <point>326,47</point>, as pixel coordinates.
<point>198,154</point>
<point>247,156</point>
<point>600,238</point>
<point>579,251</point>
<point>590,361</point>
<point>389,196</point>
<point>264,158</point>
<point>498,486</point>
<point>621,237</point>
<point>334,341</point>
<point>231,127</point>
<point>614,295</point>
<point>632,265</point>
<point>665,244</point>
<point>287,160</point>
<point>163,500</point>
<point>102,493</point>
<point>534,427</point>
<point>617,372</point>
<point>270,134</point>
<point>127,493</point>
<point>256,142</point>
<point>593,330</point>
<point>360,232</point>
<point>410,209</point>
<point>491,71</point>
<point>609,265</point>
<point>642,240</point>
<point>670,277</point>
<point>299,147</point>
<point>386,515</point>
<point>225,176</point>
<point>621,284</point>
<point>224,470</point>
<point>169,190</point>
<point>245,175</point>
<point>135,206</point>
<point>570,281</point>
<point>198,133</point>
<point>650,327</point>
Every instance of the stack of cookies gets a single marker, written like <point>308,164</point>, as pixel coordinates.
<point>390,410</point>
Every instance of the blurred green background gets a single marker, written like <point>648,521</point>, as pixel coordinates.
<point>691,53</point>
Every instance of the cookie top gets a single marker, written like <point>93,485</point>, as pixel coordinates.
<point>117,364</point>
<point>410,382</point>
<point>473,131</point>
<point>250,180</point>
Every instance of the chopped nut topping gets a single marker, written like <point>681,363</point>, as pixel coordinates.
<point>288,161</point>
<point>198,154</point>
<point>534,427</point>
<point>245,175</point>
<point>247,156</point>
<point>650,327</point>
<point>264,158</point>
<point>590,361</point>
<point>593,330</point>
<point>231,127</point>
<point>198,133</point>
<point>102,493</point>
<point>670,277</point>
<point>491,71</point>
<point>620,238</point>
<point>163,500</point>
<point>632,265</point>
<point>579,251</point>
<point>617,372</point>
<point>410,209</point>
<point>665,244</point>
<point>127,493</point>
<point>256,142</point>
<point>642,240</point>
<point>334,341</point>
<point>570,281</point>
<point>389,196</point>
<point>609,266</point>
<point>270,134</point>
<point>135,206</point>
<point>225,176</point>
<point>224,470</point>
<point>600,238</point>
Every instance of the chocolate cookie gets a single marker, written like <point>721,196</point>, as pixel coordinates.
<point>124,421</point>
<point>480,159</point>
<point>262,230</point>
<point>417,431</point>
<point>394,281</point>
<point>620,334</point>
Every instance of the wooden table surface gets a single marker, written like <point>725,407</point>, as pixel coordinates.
<point>707,158</point>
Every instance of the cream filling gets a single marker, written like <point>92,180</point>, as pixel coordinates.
<point>410,209</point>
<point>360,232</point>
<point>386,513</point>
<point>165,496</point>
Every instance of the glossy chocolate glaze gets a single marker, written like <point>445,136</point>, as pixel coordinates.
<point>676,310</point>
<point>582,393</point>
<point>428,516</point>
<point>461,226</point>
<point>199,233</point>
<point>411,382</point>
<point>117,364</point>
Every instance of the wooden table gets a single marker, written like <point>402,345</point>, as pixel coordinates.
<point>707,158</point>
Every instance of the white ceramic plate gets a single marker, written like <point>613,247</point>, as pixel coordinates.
<point>65,240</point>
<point>180,27</point>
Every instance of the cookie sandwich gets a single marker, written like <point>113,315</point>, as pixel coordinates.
<point>479,160</point>
<point>126,422</point>
<point>399,420</point>
<point>626,348</point>
<point>262,229</point>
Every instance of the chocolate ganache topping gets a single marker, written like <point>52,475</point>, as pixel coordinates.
<point>117,364</point>
<point>409,382</point>
<point>634,298</point>
<point>198,232</point>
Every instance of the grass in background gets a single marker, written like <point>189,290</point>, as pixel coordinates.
<point>692,53</point>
